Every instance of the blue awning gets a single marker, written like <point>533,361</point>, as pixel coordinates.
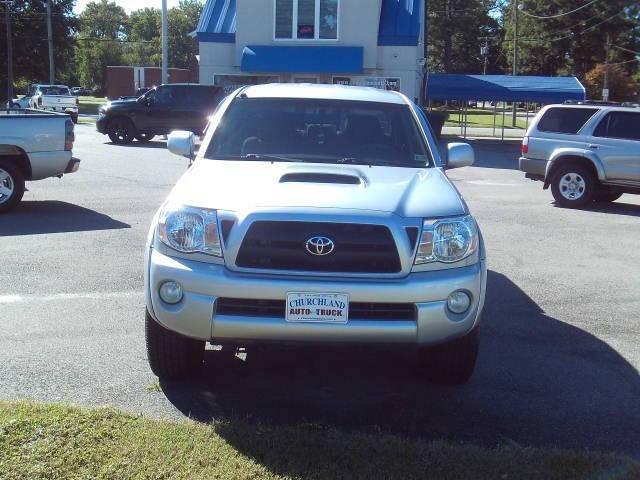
<point>301,59</point>
<point>506,88</point>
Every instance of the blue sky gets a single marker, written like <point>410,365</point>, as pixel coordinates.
<point>129,5</point>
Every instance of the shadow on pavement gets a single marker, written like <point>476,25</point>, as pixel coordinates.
<point>489,153</point>
<point>32,217</point>
<point>137,144</point>
<point>613,208</point>
<point>539,381</point>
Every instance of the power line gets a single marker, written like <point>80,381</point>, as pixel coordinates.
<point>572,34</point>
<point>545,17</point>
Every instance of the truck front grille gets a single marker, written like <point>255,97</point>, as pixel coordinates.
<point>276,308</point>
<point>281,245</point>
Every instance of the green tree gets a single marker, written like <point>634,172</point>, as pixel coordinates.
<point>456,31</point>
<point>30,46</point>
<point>103,26</point>
<point>572,41</point>
<point>144,35</point>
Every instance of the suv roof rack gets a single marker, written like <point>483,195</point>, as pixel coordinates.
<point>603,103</point>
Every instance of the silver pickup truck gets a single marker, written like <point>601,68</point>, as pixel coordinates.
<point>587,152</point>
<point>33,145</point>
<point>315,214</point>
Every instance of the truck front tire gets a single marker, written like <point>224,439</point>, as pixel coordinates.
<point>450,363</point>
<point>11,186</point>
<point>171,356</point>
<point>121,131</point>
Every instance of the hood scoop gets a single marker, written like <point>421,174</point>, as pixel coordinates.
<point>320,177</point>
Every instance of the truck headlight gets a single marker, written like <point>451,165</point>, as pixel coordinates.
<point>190,229</point>
<point>447,240</point>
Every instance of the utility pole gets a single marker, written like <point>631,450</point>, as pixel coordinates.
<point>165,46</point>
<point>7,18</point>
<point>515,50</point>
<point>484,51</point>
<point>52,69</point>
<point>605,86</point>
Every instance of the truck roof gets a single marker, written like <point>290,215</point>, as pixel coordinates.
<point>324,92</point>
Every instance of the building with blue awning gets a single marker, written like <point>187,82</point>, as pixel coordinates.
<point>373,43</point>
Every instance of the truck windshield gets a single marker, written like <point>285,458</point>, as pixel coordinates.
<point>318,130</point>
<point>54,90</point>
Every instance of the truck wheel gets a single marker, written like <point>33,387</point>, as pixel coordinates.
<point>144,137</point>
<point>171,355</point>
<point>451,363</point>
<point>121,131</point>
<point>606,196</point>
<point>11,186</point>
<point>573,186</point>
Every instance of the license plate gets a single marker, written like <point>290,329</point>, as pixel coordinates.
<point>317,307</point>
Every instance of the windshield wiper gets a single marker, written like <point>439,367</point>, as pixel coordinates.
<point>259,157</point>
<point>377,163</point>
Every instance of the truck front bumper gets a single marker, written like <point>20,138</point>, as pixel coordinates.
<point>203,284</point>
<point>101,124</point>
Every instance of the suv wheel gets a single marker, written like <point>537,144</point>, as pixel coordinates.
<point>171,356</point>
<point>451,363</point>
<point>606,196</point>
<point>144,137</point>
<point>573,186</point>
<point>11,186</point>
<point>121,131</point>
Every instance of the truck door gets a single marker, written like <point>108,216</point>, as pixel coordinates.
<point>616,140</point>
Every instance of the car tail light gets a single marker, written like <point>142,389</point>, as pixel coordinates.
<point>69,136</point>
<point>525,145</point>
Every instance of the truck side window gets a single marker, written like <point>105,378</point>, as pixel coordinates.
<point>624,125</point>
<point>164,96</point>
<point>565,120</point>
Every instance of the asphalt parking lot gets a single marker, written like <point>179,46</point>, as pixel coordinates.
<point>560,337</point>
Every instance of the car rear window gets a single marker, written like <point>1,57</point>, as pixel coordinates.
<point>54,90</point>
<point>565,120</point>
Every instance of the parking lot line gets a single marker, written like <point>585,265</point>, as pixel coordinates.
<point>5,299</point>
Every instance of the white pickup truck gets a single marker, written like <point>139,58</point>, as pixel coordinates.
<point>54,98</point>
<point>33,145</point>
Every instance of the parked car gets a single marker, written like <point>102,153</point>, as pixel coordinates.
<point>22,102</point>
<point>55,98</point>
<point>175,106</point>
<point>80,91</point>
<point>316,214</point>
<point>584,152</point>
<point>33,145</point>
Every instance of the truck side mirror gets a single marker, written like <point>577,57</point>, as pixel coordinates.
<point>182,143</point>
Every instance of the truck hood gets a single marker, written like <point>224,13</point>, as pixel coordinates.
<point>245,185</point>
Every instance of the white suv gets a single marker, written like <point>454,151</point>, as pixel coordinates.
<point>585,152</point>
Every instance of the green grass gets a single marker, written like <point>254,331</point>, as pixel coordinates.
<point>60,442</point>
<point>89,105</point>
<point>477,117</point>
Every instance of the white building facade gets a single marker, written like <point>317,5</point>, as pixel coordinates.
<point>358,42</point>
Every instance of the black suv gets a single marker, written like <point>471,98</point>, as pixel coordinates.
<point>174,106</point>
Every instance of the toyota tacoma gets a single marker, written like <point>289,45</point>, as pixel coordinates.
<point>315,214</point>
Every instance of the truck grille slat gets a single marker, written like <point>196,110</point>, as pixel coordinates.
<point>281,245</point>
<point>276,308</point>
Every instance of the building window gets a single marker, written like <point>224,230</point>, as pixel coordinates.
<point>306,19</point>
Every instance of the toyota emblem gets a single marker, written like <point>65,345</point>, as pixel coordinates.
<point>320,246</point>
